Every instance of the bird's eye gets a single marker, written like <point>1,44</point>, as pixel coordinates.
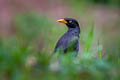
<point>70,21</point>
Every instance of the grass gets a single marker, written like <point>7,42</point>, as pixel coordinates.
<point>21,59</point>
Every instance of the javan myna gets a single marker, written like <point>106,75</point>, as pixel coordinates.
<point>69,42</point>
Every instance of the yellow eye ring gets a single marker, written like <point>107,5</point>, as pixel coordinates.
<point>70,21</point>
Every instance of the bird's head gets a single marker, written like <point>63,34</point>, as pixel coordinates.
<point>71,23</point>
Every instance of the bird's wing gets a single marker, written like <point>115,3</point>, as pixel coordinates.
<point>67,43</point>
<point>73,44</point>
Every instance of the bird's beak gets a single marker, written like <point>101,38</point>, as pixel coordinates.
<point>62,21</point>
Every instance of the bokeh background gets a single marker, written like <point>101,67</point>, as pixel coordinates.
<point>29,32</point>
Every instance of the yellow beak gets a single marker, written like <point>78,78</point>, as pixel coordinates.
<point>62,21</point>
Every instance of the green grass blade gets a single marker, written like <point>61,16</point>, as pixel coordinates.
<point>89,39</point>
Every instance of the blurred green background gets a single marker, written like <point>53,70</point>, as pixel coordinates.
<point>29,32</point>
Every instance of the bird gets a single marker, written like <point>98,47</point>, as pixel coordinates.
<point>69,42</point>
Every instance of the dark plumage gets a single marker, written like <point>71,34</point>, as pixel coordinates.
<point>69,42</point>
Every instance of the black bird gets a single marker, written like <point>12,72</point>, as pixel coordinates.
<point>69,42</point>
